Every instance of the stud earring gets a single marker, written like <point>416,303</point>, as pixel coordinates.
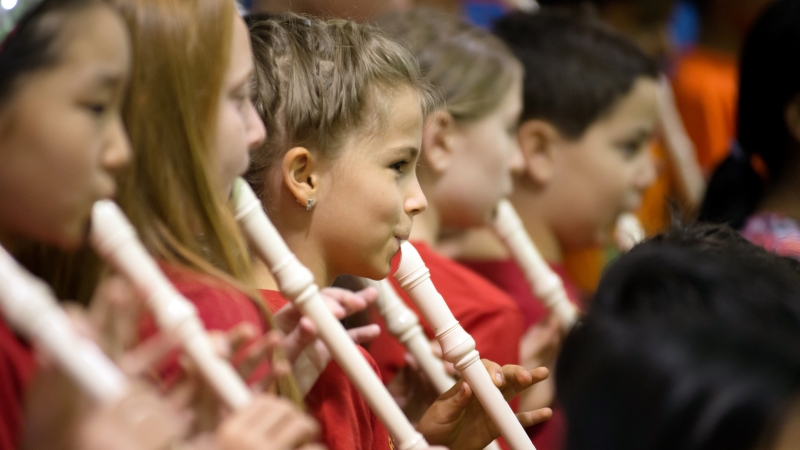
<point>310,204</point>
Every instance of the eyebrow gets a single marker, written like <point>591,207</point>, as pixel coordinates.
<point>409,151</point>
<point>246,80</point>
<point>108,80</point>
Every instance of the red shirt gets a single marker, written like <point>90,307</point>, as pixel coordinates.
<point>488,314</point>
<point>17,367</point>
<point>220,306</point>
<point>507,275</point>
<point>347,422</point>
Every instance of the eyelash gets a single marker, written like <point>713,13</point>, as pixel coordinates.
<point>399,166</point>
<point>97,109</point>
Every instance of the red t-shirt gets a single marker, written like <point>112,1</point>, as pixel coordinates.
<point>17,367</point>
<point>507,275</point>
<point>220,306</point>
<point>347,422</point>
<point>488,314</point>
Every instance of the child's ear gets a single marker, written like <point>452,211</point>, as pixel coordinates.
<point>792,117</point>
<point>437,141</point>
<point>538,141</point>
<point>299,175</point>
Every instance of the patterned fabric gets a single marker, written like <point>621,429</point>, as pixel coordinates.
<point>775,232</point>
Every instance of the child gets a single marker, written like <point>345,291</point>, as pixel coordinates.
<point>689,343</point>
<point>64,67</point>
<point>344,107</point>
<point>589,113</point>
<point>755,188</point>
<point>469,149</point>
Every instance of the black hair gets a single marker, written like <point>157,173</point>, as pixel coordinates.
<point>687,385</point>
<point>648,12</point>
<point>576,69</point>
<point>33,45</point>
<point>692,342</point>
<point>770,82</point>
<point>704,269</point>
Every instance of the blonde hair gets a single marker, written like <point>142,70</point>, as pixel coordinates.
<point>473,68</point>
<point>316,81</point>
<point>181,52</point>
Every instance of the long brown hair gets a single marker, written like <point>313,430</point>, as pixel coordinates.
<point>181,52</point>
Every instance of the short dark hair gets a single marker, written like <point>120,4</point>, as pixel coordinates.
<point>576,69</point>
<point>703,269</point>
<point>691,342</point>
<point>688,385</point>
<point>33,45</point>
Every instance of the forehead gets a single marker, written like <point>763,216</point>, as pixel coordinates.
<point>393,120</point>
<point>241,57</point>
<point>638,109</point>
<point>95,37</point>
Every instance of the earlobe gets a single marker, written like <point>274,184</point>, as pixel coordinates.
<point>538,141</point>
<point>299,175</point>
<point>792,117</point>
<point>437,141</point>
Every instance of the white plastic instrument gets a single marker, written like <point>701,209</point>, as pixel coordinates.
<point>115,240</point>
<point>402,323</point>
<point>297,284</point>
<point>458,346</point>
<point>30,307</point>
<point>629,232</point>
<point>546,284</point>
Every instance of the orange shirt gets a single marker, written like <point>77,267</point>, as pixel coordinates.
<point>706,88</point>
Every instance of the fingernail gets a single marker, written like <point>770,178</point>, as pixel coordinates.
<point>499,377</point>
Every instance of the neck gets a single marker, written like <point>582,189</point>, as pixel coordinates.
<point>782,196</point>
<point>312,256</point>
<point>529,206</point>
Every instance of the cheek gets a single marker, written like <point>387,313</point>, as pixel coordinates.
<point>233,155</point>
<point>51,176</point>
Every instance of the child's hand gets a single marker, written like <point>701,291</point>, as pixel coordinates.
<point>142,420</point>
<point>310,360</point>
<point>457,419</point>
<point>539,347</point>
<point>59,416</point>
<point>269,423</point>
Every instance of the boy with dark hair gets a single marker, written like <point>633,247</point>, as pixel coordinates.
<point>589,112</point>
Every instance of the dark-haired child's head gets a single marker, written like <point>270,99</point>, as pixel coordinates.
<point>470,145</point>
<point>589,113</point>
<point>63,74</point>
<point>691,342</point>
<point>343,106</point>
<point>701,269</point>
<point>646,22</point>
<point>691,384</point>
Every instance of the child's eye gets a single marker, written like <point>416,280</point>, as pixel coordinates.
<point>399,166</point>
<point>631,149</point>
<point>96,108</point>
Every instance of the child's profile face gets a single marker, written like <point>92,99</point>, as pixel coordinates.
<point>486,153</point>
<point>369,194</point>
<point>239,128</point>
<point>61,134</point>
<point>606,171</point>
